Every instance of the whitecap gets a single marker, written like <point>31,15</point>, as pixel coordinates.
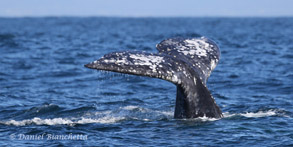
<point>63,121</point>
<point>130,107</point>
<point>102,117</point>
<point>260,113</point>
<point>267,113</point>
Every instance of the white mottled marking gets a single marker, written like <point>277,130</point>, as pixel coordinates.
<point>195,47</point>
<point>213,64</point>
<point>149,60</point>
<point>175,78</point>
<point>194,80</point>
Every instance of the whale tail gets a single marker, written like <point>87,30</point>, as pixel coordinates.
<point>185,62</point>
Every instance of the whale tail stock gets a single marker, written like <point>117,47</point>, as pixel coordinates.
<point>185,62</point>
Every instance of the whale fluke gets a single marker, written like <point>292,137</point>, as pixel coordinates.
<point>186,62</point>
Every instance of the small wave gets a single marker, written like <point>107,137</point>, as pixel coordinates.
<point>37,121</point>
<point>62,121</point>
<point>167,114</point>
<point>260,114</point>
<point>146,110</point>
<point>130,107</point>
<point>102,117</point>
<point>253,114</point>
<point>6,37</point>
<point>44,108</point>
<point>127,113</point>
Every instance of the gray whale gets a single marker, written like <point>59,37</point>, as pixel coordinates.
<point>186,62</point>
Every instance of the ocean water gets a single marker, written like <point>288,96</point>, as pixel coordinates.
<point>49,98</point>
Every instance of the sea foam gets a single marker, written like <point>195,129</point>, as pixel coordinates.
<point>124,114</point>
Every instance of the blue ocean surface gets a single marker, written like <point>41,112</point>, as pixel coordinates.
<point>48,97</point>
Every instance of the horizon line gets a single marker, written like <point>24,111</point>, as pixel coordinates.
<point>150,16</point>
